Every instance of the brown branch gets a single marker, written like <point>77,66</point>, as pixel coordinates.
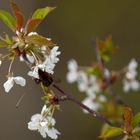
<point>74,100</point>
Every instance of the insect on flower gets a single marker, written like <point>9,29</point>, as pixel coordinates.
<point>45,78</point>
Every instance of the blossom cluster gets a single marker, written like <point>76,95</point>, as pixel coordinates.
<point>44,124</point>
<point>130,81</point>
<point>86,83</point>
<point>39,53</point>
<point>91,84</point>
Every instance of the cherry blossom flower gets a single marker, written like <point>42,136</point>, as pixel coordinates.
<point>93,102</point>
<point>130,82</point>
<point>44,124</point>
<point>11,80</point>
<point>48,65</point>
<point>88,83</point>
<point>72,75</point>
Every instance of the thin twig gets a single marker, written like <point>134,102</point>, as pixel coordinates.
<point>74,100</point>
<point>116,96</point>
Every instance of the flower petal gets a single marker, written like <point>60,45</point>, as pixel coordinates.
<point>20,81</point>
<point>53,133</point>
<point>8,84</point>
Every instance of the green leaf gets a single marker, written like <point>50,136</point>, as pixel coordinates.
<point>105,57</point>
<point>42,12</point>
<point>109,132</point>
<point>94,71</point>
<point>136,131</point>
<point>7,39</point>
<point>18,14</point>
<point>40,40</point>
<point>125,138</point>
<point>136,120</point>
<point>106,48</point>
<point>8,19</point>
<point>2,43</point>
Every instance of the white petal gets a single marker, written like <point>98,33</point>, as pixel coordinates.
<point>43,123</point>
<point>34,72</point>
<point>33,125</point>
<point>36,117</point>
<point>72,77</point>
<point>88,101</point>
<point>30,58</point>
<point>9,84</point>
<point>42,132</point>
<point>51,120</point>
<point>72,65</point>
<point>126,86</point>
<point>91,92</point>
<point>52,133</point>
<point>82,81</point>
<point>20,81</point>
<point>131,74</point>
<point>135,85</point>
<point>132,65</point>
<point>106,73</point>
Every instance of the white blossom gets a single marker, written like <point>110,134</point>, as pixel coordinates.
<point>82,81</point>
<point>93,86</point>
<point>44,124</point>
<point>11,80</point>
<point>93,102</point>
<point>72,74</point>
<point>106,73</point>
<point>34,72</point>
<point>48,65</point>
<point>88,83</point>
<point>130,82</point>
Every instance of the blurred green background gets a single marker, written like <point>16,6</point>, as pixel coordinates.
<point>71,25</point>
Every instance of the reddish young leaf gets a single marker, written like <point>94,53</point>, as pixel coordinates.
<point>32,24</point>
<point>18,14</point>
<point>128,115</point>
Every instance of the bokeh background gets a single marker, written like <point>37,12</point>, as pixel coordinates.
<point>71,25</point>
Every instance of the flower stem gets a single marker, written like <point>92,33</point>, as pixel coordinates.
<point>10,66</point>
